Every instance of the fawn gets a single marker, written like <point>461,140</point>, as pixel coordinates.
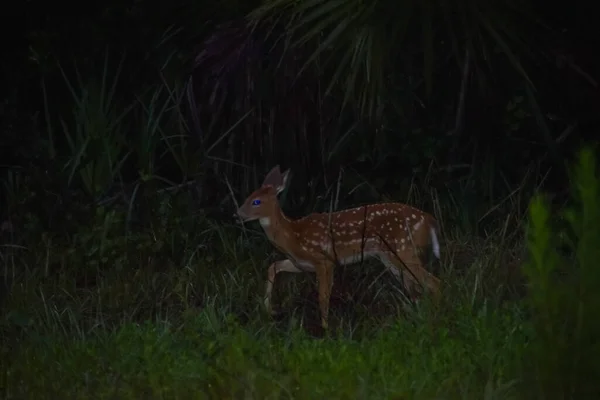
<point>396,234</point>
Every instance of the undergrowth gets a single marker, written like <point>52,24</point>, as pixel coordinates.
<point>175,311</point>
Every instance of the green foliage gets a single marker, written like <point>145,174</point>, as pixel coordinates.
<point>114,285</point>
<point>366,46</point>
<point>95,136</point>
<point>564,296</point>
<point>120,122</point>
<point>460,358</point>
<point>174,310</point>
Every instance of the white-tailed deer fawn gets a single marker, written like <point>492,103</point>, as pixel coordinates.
<point>396,234</point>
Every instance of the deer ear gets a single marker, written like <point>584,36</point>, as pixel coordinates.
<point>284,180</point>
<point>276,179</point>
<point>273,178</point>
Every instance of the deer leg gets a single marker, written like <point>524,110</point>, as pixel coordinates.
<point>419,278</point>
<point>325,281</point>
<point>398,272</point>
<point>413,274</point>
<point>419,256</point>
<point>274,269</point>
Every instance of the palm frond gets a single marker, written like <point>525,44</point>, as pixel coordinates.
<point>359,43</point>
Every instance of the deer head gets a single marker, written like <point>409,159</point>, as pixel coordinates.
<point>263,201</point>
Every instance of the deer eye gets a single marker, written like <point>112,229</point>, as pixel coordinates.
<point>256,202</point>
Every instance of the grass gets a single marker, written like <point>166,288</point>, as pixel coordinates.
<point>101,314</point>
<point>212,356</point>
<point>141,299</point>
<point>176,312</point>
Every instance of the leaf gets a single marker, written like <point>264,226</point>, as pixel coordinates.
<point>358,45</point>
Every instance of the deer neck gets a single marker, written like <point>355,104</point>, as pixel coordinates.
<point>278,228</point>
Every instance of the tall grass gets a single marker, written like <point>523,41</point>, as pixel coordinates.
<point>144,298</point>
<point>564,295</point>
<point>192,326</point>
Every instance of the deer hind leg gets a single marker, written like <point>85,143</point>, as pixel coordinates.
<point>401,272</point>
<point>425,243</point>
<point>412,273</point>
<point>325,281</point>
<point>274,269</point>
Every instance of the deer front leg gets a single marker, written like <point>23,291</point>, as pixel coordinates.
<point>325,281</point>
<point>274,269</point>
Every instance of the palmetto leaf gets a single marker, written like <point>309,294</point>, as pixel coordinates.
<point>360,43</point>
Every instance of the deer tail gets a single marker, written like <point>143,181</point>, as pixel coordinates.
<point>435,243</point>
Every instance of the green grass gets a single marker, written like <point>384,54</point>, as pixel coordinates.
<point>175,311</point>
<point>213,356</point>
<point>104,315</point>
<point>94,320</point>
<point>140,299</point>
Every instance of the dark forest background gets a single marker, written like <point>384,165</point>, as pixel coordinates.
<point>474,95</point>
<point>130,130</point>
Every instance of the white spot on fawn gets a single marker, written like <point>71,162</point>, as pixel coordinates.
<point>417,225</point>
<point>265,222</point>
